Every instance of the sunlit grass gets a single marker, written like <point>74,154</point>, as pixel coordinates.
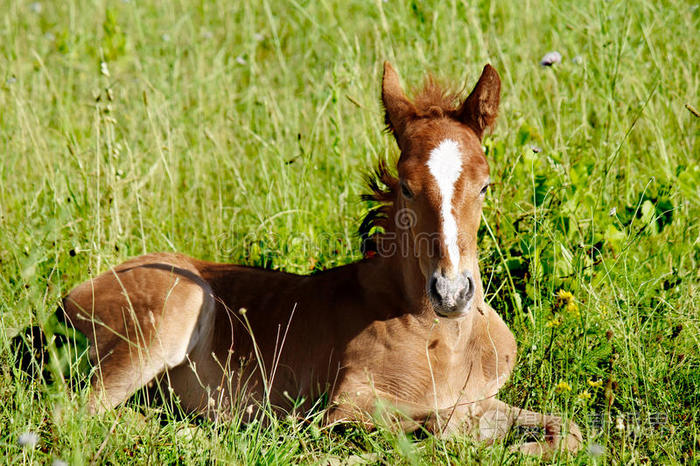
<point>239,131</point>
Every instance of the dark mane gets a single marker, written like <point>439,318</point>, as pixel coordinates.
<point>383,186</point>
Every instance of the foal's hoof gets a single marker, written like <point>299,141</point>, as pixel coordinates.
<point>554,441</point>
<point>574,440</point>
<point>555,437</point>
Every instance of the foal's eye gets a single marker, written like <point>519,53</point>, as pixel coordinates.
<point>484,189</point>
<point>405,191</point>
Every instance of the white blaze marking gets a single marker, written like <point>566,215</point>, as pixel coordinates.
<point>445,164</point>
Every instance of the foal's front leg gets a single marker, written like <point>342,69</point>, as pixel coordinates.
<point>369,407</point>
<point>492,419</point>
<point>497,418</point>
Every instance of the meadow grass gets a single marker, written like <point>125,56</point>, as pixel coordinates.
<point>239,132</point>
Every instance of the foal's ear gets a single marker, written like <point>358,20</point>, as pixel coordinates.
<point>479,110</point>
<point>397,106</point>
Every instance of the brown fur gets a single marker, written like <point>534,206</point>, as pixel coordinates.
<point>227,338</point>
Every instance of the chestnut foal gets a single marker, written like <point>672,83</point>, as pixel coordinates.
<point>405,331</point>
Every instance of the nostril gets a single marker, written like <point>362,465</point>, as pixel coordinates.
<point>467,289</point>
<point>433,288</point>
<point>470,284</point>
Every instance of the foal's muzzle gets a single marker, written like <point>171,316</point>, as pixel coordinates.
<point>451,296</point>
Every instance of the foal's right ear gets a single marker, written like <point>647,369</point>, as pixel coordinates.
<point>397,106</point>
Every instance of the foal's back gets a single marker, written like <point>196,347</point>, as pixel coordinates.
<point>222,332</point>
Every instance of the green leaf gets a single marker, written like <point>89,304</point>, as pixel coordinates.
<point>648,211</point>
<point>614,237</point>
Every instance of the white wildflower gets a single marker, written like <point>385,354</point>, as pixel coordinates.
<point>550,59</point>
<point>620,423</point>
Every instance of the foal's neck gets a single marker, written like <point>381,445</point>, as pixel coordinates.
<point>399,287</point>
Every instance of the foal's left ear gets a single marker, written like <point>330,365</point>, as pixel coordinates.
<point>479,110</point>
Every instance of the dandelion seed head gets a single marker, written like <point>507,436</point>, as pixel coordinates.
<point>596,449</point>
<point>28,440</point>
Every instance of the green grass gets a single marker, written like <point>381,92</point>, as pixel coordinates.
<point>239,131</point>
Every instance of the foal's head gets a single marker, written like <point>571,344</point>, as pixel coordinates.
<point>442,180</point>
